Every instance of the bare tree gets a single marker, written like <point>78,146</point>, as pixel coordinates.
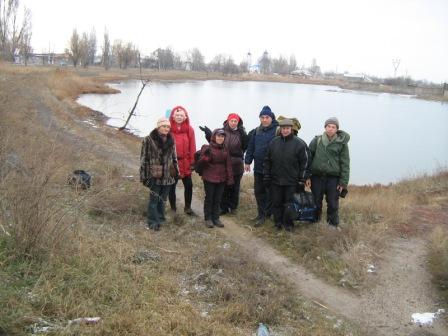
<point>84,50</point>
<point>197,59</point>
<point>265,63</point>
<point>244,66</point>
<point>216,64</point>
<point>25,46</point>
<point>164,58</point>
<point>125,54</point>
<point>292,63</point>
<point>178,62</point>
<point>92,46</point>
<point>118,53</point>
<point>11,30</point>
<point>74,50</point>
<point>106,57</point>
<point>229,66</point>
<point>144,83</point>
<point>280,65</point>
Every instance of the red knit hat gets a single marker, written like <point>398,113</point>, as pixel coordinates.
<point>233,116</point>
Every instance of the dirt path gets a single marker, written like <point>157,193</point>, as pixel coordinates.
<point>403,286</point>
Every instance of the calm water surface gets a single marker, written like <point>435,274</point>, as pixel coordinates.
<point>392,136</point>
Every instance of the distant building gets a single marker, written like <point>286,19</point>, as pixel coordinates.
<point>43,59</point>
<point>254,68</point>
<point>357,78</point>
<point>303,73</point>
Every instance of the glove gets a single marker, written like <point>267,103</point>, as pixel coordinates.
<point>300,188</point>
<point>207,131</point>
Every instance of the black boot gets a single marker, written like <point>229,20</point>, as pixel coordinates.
<point>218,223</point>
<point>260,221</point>
<point>189,212</point>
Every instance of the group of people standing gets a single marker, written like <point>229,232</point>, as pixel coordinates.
<point>283,164</point>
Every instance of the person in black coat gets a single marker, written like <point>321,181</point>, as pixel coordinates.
<point>285,170</point>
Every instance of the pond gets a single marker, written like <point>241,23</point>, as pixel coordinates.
<point>392,136</point>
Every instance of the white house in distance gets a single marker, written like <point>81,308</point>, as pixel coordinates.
<point>357,78</point>
<point>254,68</point>
<point>304,73</point>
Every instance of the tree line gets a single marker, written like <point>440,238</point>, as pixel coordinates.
<point>124,54</point>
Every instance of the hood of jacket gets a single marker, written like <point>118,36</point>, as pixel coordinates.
<point>185,126</point>
<point>341,137</point>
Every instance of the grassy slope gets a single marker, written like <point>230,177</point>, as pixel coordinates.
<point>66,254</point>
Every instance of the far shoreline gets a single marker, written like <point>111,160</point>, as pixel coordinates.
<point>112,75</point>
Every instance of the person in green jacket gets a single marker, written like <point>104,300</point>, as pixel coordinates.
<point>330,168</point>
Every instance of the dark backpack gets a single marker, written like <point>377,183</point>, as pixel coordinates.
<point>302,208</point>
<point>79,179</point>
<point>198,168</point>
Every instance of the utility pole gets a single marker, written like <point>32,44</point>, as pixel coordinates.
<point>396,64</point>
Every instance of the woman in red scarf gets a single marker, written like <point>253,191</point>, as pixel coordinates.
<point>185,147</point>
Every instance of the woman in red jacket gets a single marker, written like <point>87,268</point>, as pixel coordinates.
<point>185,147</point>
<point>217,172</point>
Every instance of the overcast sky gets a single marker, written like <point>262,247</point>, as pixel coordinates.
<point>359,36</point>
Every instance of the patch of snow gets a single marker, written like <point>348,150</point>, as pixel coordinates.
<point>86,320</point>
<point>90,123</point>
<point>426,318</point>
<point>338,324</point>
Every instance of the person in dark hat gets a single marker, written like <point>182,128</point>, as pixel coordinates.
<point>330,168</point>
<point>259,139</point>
<point>286,169</point>
<point>236,143</point>
<point>216,166</point>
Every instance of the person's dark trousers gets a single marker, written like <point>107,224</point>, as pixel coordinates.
<point>262,196</point>
<point>213,195</point>
<point>188,193</point>
<point>156,204</point>
<point>280,196</point>
<point>231,195</point>
<point>328,186</point>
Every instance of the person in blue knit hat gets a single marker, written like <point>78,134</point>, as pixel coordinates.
<point>259,139</point>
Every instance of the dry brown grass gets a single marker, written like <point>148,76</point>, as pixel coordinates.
<point>183,280</point>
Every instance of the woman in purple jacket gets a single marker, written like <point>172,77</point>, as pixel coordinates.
<point>216,166</point>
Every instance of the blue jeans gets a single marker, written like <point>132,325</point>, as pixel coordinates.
<point>156,205</point>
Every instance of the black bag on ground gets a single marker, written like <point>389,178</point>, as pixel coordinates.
<point>79,179</point>
<point>302,208</point>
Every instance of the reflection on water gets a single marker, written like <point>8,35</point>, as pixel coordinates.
<point>392,136</point>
